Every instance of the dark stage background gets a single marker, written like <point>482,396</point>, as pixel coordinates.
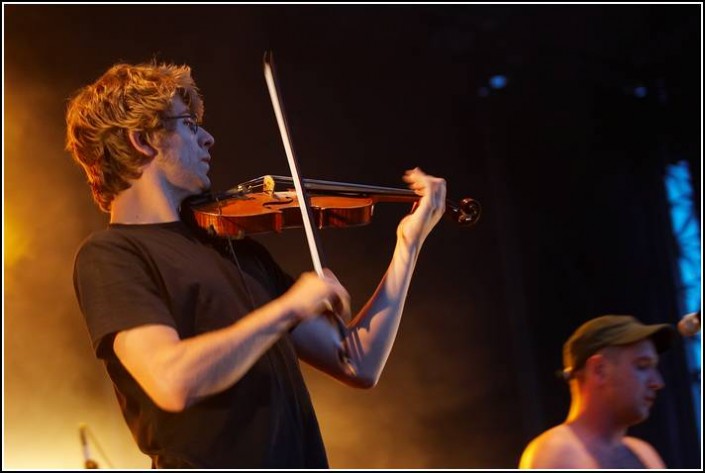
<point>566,160</point>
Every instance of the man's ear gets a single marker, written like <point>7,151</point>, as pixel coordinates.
<point>141,142</point>
<point>597,367</point>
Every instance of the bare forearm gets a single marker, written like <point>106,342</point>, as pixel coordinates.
<point>176,373</point>
<point>374,329</point>
<point>213,362</point>
<point>370,336</point>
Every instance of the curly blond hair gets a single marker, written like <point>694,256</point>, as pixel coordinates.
<point>127,97</point>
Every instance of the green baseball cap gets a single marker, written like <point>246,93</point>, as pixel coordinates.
<point>610,330</point>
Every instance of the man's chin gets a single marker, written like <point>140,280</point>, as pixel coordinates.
<point>196,191</point>
<point>203,187</point>
<point>206,184</point>
<point>640,417</point>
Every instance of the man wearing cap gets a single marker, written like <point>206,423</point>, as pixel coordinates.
<point>610,363</point>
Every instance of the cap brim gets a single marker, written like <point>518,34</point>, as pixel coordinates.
<point>660,334</point>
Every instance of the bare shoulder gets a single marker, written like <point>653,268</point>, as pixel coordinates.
<point>556,448</point>
<point>645,452</point>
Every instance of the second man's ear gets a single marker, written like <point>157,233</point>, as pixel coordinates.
<point>597,365</point>
<point>141,142</point>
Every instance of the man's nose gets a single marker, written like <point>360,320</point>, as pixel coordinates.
<point>656,381</point>
<point>207,139</point>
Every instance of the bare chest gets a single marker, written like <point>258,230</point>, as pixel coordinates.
<point>619,458</point>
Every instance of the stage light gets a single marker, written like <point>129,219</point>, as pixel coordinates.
<point>640,91</point>
<point>498,82</point>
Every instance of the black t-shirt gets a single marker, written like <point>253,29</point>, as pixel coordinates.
<point>132,275</point>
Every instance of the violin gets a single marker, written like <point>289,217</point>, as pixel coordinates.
<point>273,203</point>
<point>270,204</point>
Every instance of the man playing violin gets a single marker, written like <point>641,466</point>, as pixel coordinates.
<point>202,340</point>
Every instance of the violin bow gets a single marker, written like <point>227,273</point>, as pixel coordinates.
<point>312,234</point>
<point>304,203</point>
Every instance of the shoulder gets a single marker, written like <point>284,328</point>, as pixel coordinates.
<point>138,238</point>
<point>101,243</point>
<point>556,448</point>
<point>106,238</point>
<point>646,453</point>
<point>117,250</point>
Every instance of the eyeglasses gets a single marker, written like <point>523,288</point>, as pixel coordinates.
<point>192,123</point>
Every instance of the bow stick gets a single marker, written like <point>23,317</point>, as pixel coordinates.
<point>312,235</point>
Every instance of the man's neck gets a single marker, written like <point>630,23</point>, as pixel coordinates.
<point>597,428</point>
<point>142,204</point>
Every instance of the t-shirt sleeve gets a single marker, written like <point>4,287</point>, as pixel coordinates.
<point>116,290</point>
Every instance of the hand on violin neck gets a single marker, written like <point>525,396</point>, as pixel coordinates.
<point>415,227</point>
<point>312,296</point>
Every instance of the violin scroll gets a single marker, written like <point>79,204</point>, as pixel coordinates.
<point>466,213</point>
